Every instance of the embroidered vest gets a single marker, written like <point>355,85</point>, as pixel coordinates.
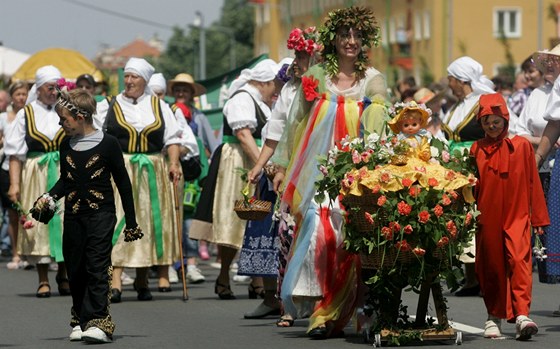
<point>149,140</point>
<point>37,141</point>
<point>468,130</point>
<point>261,119</point>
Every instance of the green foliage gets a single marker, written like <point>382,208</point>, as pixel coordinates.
<point>182,51</point>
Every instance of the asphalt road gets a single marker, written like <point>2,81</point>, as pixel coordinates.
<point>204,321</point>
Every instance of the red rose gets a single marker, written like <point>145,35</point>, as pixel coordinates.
<point>414,191</point>
<point>451,228</point>
<point>454,194</point>
<point>385,177</point>
<point>443,241</point>
<point>395,226</point>
<point>404,208</point>
<point>419,251</point>
<point>446,201</point>
<point>468,219</point>
<point>432,182</point>
<point>408,229</point>
<point>309,85</point>
<point>376,189</point>
<point>438,211</point>
<point>381,201</point>
<point>406,182</point>
<point>450,175</point>
<point>423,216</point>
<point>403,246</point>
<point>369,217</point>
<point>387,233</point>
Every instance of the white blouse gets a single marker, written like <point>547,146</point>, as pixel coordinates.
<point>275,126</point>
<point>46,122</point>
<point>531,120</point>
<point>240,112</point>
<point>141,115</point>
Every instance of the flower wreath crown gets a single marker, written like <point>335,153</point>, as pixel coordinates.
<point>304,40</point>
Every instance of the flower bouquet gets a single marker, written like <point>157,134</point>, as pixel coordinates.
<point>409,211</point>
<point>44,208</point>
<point>250,207</point>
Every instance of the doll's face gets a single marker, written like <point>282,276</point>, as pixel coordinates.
<point>411,124</point>
<point>493,125</point>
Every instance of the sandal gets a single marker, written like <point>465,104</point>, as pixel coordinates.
<point>285,321</point>
<point>45,294</point>
<point>223,291</point>
<point>255,291</point>
<point>63,285</point>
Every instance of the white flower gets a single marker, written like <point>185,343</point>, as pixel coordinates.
<point>434,151</point>
<point>356,141</point>
<point>290,221</point>
<point>372,139</point>
<point>345,141</point>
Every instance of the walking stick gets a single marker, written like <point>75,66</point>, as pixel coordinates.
<point>180,236</point>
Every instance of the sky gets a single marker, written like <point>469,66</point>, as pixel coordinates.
<point>33,25</point>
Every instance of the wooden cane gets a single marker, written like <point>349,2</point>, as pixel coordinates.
<point>180,236</point>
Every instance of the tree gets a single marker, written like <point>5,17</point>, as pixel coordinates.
<point>182,50</point>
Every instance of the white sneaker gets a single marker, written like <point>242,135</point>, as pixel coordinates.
<point>242,279</point>
<point>492,328</point>
<point>126,280</point>
<point>525,328</point>
<point>195,276</point>
<point>173,277</point>
<point>95,335</point>
<point>76,334</point>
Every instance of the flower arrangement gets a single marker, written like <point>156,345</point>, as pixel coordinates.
<point>304,40</point>
<point>65,85</point>
<point>413,218</point>
<point>44,208</point>
<point>24,220</point>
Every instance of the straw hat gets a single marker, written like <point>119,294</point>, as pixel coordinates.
<point>427,96</point>
<point>410,106</point>
<point>545,57</point>
<point>184,78</point>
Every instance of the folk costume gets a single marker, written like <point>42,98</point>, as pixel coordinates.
<point>34,138</point>
<point>318,266</point>
<point>549,269</point>
<point>511,202</point>
<point>215,220</point>
<point>144,127</point>
<point>87,165</point>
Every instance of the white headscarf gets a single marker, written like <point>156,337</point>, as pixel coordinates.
<point>140,67</point>
<point>264,71</point>
<point>157,83</point>
<point>468,70</point>
<point>43,75</point>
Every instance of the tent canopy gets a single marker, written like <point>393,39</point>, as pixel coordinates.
<point>70,63</point>
<point>10,60</point>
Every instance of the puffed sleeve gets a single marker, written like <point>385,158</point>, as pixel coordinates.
<point>100,114</point>
<point>240,112</point>
<point>173,131</point>
<point>14,144</point>
<point>552,111</point>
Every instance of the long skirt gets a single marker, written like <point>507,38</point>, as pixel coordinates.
<point>549,268</point>
<point>156,214</point>
<point>43,242</point>
<point>227,229</point>
<point>259,254</point>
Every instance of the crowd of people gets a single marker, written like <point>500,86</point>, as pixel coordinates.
<point>175,182</point>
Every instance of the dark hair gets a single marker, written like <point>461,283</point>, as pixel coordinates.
<point>408,93</point>
<point>528,64</point>
<point>88,78</point>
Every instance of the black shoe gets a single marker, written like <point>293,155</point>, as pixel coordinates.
<point>61,282</point>
<point>144,293</point>
<point>164,289</point>
<point>468,291</point>
<point>115,295</point>
<point>319,333</point>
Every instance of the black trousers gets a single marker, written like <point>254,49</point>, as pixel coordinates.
<point>87,245</point>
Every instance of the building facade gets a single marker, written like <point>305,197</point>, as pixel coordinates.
<point>421,37</point>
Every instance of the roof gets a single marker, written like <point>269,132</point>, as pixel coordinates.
<point>138,48</point>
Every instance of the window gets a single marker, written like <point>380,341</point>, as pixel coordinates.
<point>508,22</point>
<point>427,27</point>
<point>417,27</point>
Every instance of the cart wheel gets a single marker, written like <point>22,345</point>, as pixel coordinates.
<point>377,340</point>
<point>459,338</point>
<point>365,335</point>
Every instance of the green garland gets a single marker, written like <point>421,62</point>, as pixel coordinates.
<point>358,18</point>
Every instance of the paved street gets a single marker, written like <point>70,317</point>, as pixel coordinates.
<point>206,322</point>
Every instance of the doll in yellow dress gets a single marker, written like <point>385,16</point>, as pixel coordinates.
<point>410,125</point>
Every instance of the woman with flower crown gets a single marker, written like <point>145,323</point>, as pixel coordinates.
<point>331,104</point>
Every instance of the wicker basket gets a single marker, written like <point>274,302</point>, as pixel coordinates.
<point>254,211</point>
<point>357,207</point>
<point>375,260</point>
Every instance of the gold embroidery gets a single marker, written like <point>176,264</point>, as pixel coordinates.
<point>69,176</point>
<point>93,205</point>
<point>70,161</point>
<point>92,160</point>
<point>96,194</point>
<point>71,196</point>
<point>97,173</point>
<point>76,207</point>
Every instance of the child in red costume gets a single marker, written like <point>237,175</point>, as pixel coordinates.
<point>511,201</point>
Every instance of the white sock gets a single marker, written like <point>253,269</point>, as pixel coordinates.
<point>191,267</point>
